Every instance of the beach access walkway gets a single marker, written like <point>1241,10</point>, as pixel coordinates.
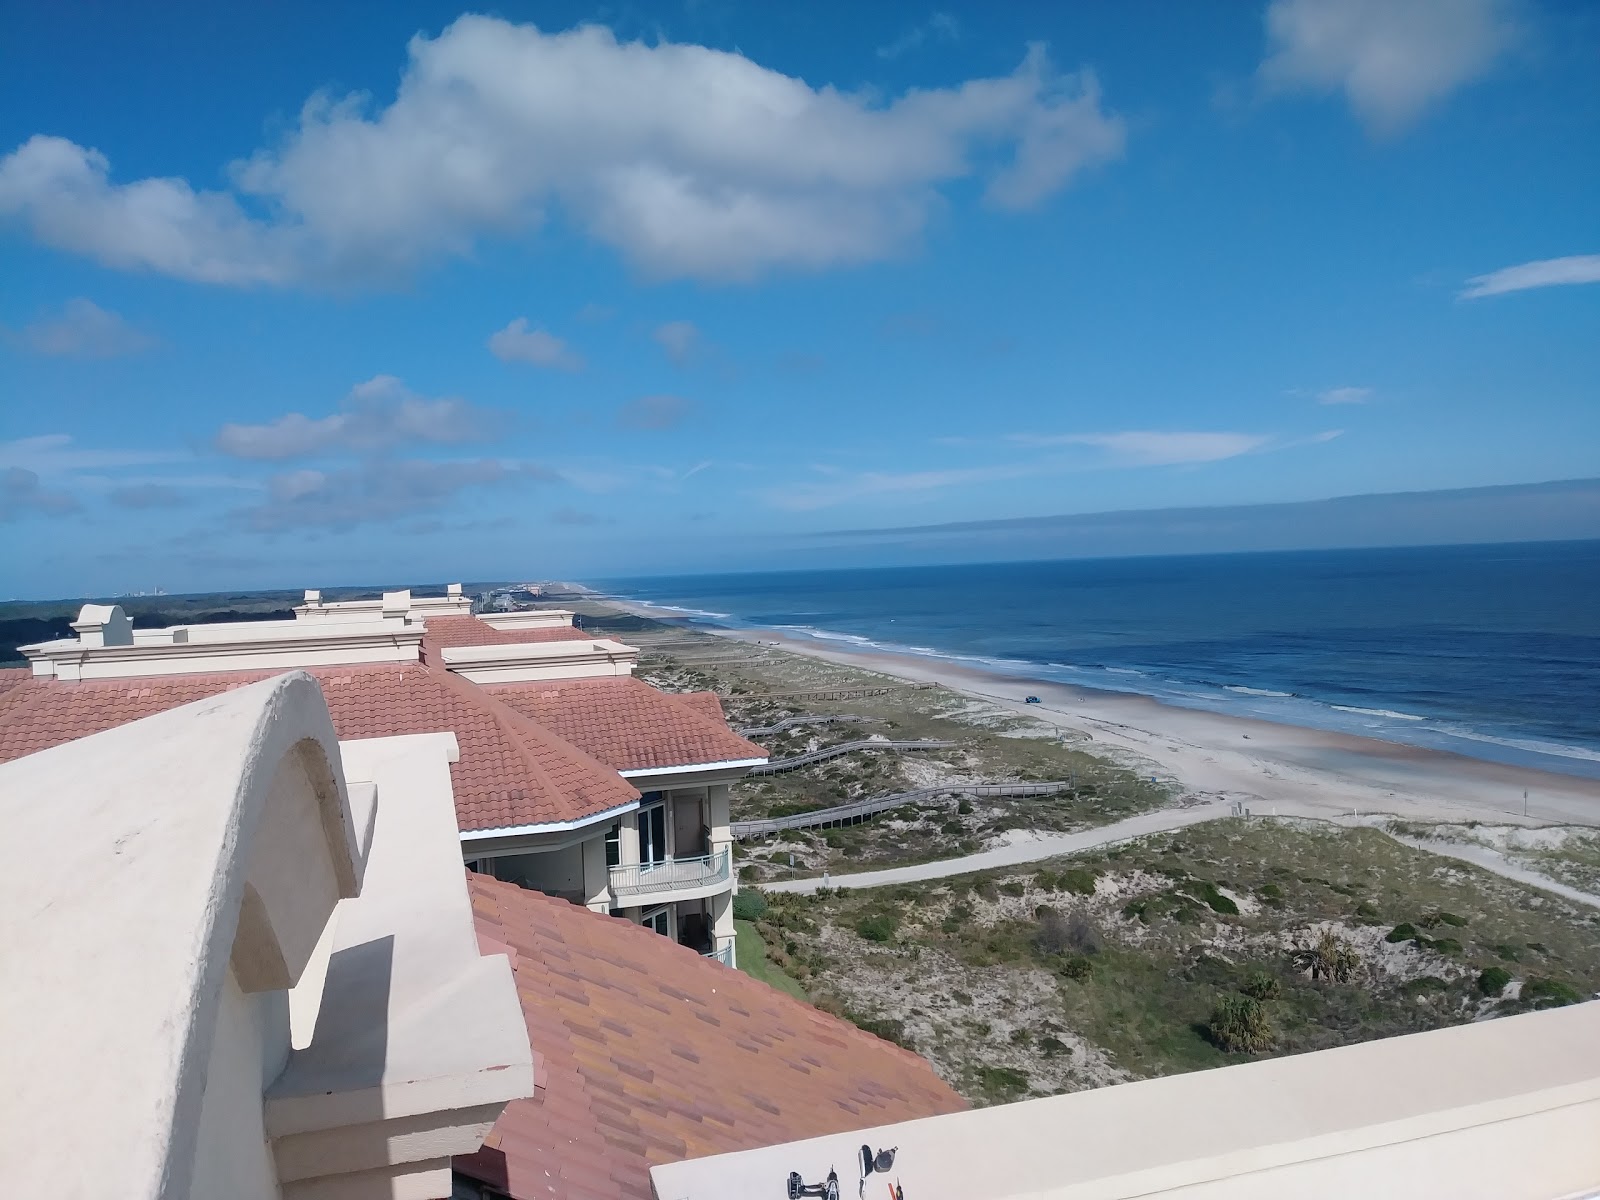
<point>859,810</point>
<point>779,765</point>
<point>1163,821</point>
<point>795,723</point>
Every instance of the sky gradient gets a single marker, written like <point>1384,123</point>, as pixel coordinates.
<point>318,295</point>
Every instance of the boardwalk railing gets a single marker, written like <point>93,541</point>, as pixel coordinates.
<point>637,879</point>
<point>780,765</point>
<point>723,952</point>
<point>860,810</point>
<point>839,693</point>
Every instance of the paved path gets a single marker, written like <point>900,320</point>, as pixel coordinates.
<point>859,810</point>
<point>779,765</point>
<point>1162,821</point>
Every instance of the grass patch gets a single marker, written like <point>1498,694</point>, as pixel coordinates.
<point>751,953</point>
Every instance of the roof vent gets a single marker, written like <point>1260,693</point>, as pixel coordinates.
<point>103,625</point>
<point>397,604</point>
<point>452,589</point>
<point>313,596</point>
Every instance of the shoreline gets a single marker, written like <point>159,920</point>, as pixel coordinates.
<point>1269,767</point>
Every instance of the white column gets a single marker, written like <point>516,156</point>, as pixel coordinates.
<point>722,920</point>
<point>628,839</point>
<point>596,875</point>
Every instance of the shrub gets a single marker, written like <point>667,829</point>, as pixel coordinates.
<point>1006,1081</point>
<point>960,997</point>
<point>1423,986</point>
<point>748,873</point>
<point>1260,985</point>
<point>958,916</point>
<point>1368,915</point>
<point>1445,945</point>
<point>889,1030</point>
<point>791,835</point>
<point>1404,932</point>
<point>986,890</point>
<point>1539,946</point>
<point>964,806</point>
<point>1058,934</point>
<point>1331,958</point>
<point>1080,880</point>
<point>1548,993</point>
<point>1020,1037</point>
<point>1217,901</point>
<point>1270,893</point>
<point>1436,919</point>
<point>750,905</point>
<point>1075,966</point>
<point>1493,981</point>
<point>1053,1047</point>
<point>953,828</point>
<point>1011,887</point>
<point>878,927</point>
<point>1507,952</point>
<point>1239,1023</point>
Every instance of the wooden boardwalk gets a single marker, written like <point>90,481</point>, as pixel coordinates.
<point>859,810</point>
<point>779,765</point>
<point>794,723</point>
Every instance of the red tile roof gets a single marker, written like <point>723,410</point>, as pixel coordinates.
<point>10,677</point>
<point>647,1053</point>
<point>440,632</point>
<point>629,725</point>
<point>511,772</point>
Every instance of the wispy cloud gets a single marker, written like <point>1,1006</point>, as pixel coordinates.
<point>840,487</point>
<point>1393,59</point>
<point>1546,272</point>
<point>577,516</point>
<point>82,329</point>
<point>377,491</point>
<point>23,494</point>
<point>1345,395</point>
<point>654,413</point>
<point>375,416</point>
<point>57,454</point>
<point>518,343</point>
<point>1152,448</point>
<point>680,340</point>
<point>148,495</point>
<point>940,27</point>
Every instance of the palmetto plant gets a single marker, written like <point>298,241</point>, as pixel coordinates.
<point>1331,958</point>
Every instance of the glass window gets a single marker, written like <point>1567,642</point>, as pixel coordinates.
<point>614,844</point>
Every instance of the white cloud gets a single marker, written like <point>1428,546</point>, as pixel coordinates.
<point>689,161</point>
<point>1345,395</point>
<point>377,415</point>
<point>939,27</point>
<point>680,339</point>
<point>1547,272</point>
<point>82,329</point>
<point>1151,448</point>
<point>55,454</point>
<point>22,494</point>
<point>1391,58</point>
<point>839,488</point>
<point>377,491</point>
<point>517,343</point>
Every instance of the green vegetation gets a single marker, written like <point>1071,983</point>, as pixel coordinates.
<point>1493,980</point>
<point>878,926</point>
<point>1548,993</point>
<point>1240,1024</point>
<point>751,953</point>
<point>749,905</point>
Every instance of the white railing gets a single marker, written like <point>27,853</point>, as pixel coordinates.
<point>723,953</point>
<point>673,874</point>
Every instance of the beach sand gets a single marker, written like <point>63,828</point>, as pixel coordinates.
<point>1267,767</point>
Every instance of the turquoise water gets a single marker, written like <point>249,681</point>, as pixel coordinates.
<point>1490,651</point>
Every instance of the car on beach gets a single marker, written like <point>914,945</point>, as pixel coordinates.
<point>1031,700</point>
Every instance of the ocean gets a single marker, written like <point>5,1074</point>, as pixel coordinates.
<point>1488,651</point>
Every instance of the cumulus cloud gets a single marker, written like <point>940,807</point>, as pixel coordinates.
<point>1345,395</point>
<point>517,343</point>
<point>376,416</point>
<point>653,412</point>
<point>1392,59</point>
<point>689,161</point>
<point>22,494</point>
<point>1547,272</point>
<point>82,329</point>
<point>680,340</point>
<point>376,491</point>
<point>1151,448</point>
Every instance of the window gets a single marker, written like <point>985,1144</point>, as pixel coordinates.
<point>614,844</point>
<point>653,834</point>
<point>659,919</point>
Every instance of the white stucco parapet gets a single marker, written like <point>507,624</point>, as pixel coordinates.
<point>521,662</point>
<point>182,900</point>
<point>528,618</point>
<point>452,604</point>
<point>107,647</point>
<point>1502,1108</point>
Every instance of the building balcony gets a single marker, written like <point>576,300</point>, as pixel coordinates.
<point>641,884</point>
<point>723,952</point>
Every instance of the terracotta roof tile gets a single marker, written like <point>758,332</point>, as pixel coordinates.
<point>629,725</point>
<point>668,1088</point>
<point>440,632</point>
<point>11,677</point>
<point>511,772</point>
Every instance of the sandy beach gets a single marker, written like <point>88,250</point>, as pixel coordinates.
<point>1267,767</point>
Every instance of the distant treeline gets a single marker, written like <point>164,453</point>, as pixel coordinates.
<point>24,622</point>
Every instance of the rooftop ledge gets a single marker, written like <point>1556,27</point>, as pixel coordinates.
<point>530,618</point>
<point>1508,1107</point>
<point>520,662</point>
<point>108,647</point>
<point>233,973</point>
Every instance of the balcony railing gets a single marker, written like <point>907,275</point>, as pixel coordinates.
<point>723,953</point>
<point>674,874</point>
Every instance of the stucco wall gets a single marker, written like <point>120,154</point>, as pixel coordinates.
<point>555,872</point>
<point>247,1052</point>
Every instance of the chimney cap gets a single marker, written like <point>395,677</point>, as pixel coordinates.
<point>452,589</point>
<point>313,596</point>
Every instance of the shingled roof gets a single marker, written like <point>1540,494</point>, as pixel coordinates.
<point>629,725</point>
<point>648,1053</point>
<point>512,771</point>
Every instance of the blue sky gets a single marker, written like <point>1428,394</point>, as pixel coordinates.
<point>333,294</point>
